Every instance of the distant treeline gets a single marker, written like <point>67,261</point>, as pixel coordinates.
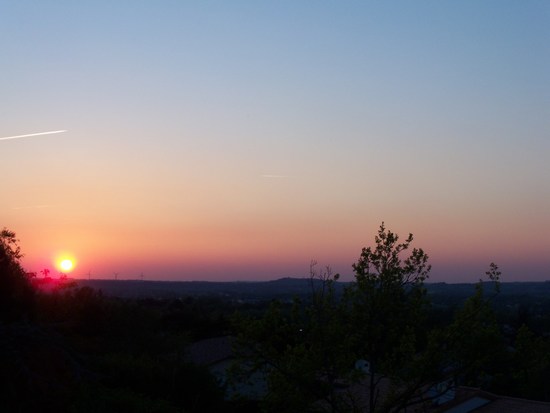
<point>285,288</point>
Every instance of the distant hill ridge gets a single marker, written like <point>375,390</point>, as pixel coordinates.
<point>280,288</point>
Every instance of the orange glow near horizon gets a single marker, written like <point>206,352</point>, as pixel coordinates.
<point>262,249</point>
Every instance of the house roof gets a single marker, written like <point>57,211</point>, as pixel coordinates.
<point>477,401</point>
<point>512,405</point>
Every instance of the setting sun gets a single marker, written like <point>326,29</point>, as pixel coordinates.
<point>66,265</point>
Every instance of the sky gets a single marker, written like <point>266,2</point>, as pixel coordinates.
<point>239,140</point>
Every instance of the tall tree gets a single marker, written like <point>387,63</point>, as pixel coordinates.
<point>388,306</point>
<point>369,349</point>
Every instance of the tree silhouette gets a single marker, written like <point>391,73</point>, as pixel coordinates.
<point>16,292</point>
<point>370,348</point>
<point>388,307</point>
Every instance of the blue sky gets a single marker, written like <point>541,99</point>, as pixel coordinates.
<point>432,116</point>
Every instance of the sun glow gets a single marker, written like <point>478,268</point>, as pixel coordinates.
<point>65,264</point>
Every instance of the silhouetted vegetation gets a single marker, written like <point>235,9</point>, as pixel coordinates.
<point>382,342</point>
<point>382,347</point>
<point>73,349</point>
<point>16,293</point>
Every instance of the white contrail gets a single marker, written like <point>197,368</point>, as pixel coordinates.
<point>32,134</point>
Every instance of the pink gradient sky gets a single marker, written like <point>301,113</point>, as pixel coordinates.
<point>238,141</point>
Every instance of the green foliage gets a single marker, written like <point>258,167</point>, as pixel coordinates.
<point>85,352</point>
<point>161,378</point>
<point>201,317</point>
<point>387,302</point>
<point>388,308</point>
<point>133,363</point>
<point>531,362</point>
<point>301,349</point>
<point>383,267</point>
<point>475,340</point>
<point>308,351</point>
